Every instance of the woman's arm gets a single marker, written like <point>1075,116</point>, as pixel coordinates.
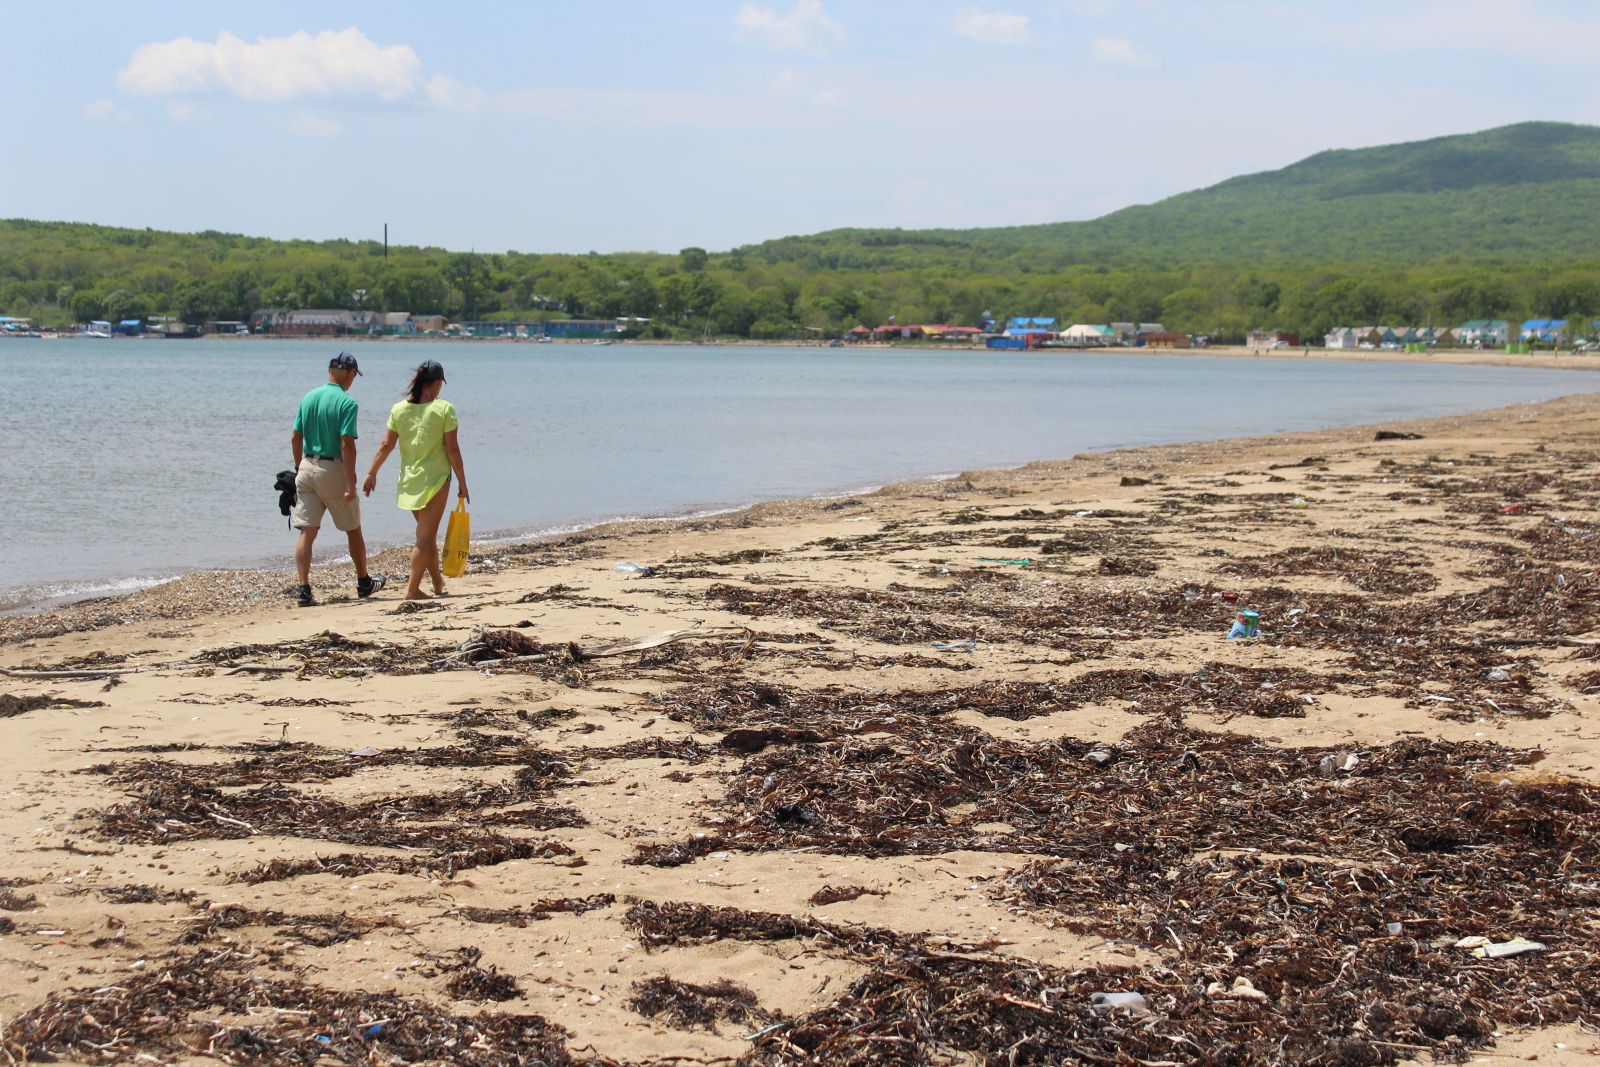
<point>390,439</point>
<point>452,449</point>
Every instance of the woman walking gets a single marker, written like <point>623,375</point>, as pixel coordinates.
<point>424,427</point>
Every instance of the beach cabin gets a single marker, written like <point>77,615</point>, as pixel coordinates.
<point>1342,337</point>
<point>858,334</point>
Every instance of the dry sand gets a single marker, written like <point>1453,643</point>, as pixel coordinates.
<point>357,829</point>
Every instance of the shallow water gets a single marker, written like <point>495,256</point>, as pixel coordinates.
<point>141,459</point>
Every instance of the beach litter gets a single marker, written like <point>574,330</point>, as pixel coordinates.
<point>956,646</point>
<point>1132,1003</point>
<point>1502,949</point>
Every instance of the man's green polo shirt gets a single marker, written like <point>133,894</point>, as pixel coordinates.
<point>326,415</point>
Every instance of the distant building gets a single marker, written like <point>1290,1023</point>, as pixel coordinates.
<point>1485,331</point>
<point>1089,335</point>
<point>1130,331</point>
<point>1023,325</point>
<point>1271,338</point>
<point>315,322</point>
<point>1165,339</point>
<point>1342,337</point>
<point>1543,329</point>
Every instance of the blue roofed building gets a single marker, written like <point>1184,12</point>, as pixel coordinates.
<point>1022,325</point>
<point>1543,329</point>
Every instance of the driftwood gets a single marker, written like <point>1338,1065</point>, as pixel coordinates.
<point>110,672</point>
<point>101,672</point>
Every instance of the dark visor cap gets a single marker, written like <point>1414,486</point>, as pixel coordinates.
<point>431,371</point>
<point>344,361</point>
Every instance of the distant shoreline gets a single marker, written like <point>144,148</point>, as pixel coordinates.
<point>1556,360</point>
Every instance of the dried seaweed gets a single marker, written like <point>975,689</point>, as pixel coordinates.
<point>11,704</point>
<point>539,910</point>
<point>944,787</point>
<point>210,1003</point>
<point>685,1005</point>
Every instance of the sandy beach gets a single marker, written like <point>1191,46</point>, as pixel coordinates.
<point>909,777</point>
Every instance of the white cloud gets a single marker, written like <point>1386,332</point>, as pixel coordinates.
<point>330,64</point>
<point>994,27</point>
<point>445,92</point>
<point>106,110</point>
<point>306,124</point>
<point>183,111</point>
<point>806,28</point>
<point>1121,52</point>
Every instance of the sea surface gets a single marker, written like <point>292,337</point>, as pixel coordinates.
<point>136,460</point>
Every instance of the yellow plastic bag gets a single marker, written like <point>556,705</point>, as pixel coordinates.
<point>457,542</point>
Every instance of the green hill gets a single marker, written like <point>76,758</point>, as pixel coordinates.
<point>1522,193</point>
<point>1504,223</point>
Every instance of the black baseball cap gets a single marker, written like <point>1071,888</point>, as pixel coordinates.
<point>431,371</point>
<point>344,361</point>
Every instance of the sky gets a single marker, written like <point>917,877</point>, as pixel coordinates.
<point>642,125</point>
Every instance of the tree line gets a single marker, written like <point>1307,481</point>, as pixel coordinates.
<point>64,273</point>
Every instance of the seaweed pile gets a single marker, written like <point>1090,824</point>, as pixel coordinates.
<point>440,832</point>
<point>209,1003</point>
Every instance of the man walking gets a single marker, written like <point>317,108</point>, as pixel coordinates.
<point>324,446</point>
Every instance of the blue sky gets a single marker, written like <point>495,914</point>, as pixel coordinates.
<point>629,125</point>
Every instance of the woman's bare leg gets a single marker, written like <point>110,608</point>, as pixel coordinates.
<point>425,553</point>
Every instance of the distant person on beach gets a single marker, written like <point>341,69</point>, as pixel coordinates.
<point>424,426</point>
<point>324,446</point>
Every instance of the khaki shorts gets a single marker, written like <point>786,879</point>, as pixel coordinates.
<point>319,486</point>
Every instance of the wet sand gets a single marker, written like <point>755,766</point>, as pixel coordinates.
<point>929,768</point>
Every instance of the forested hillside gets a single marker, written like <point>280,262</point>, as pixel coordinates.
<point>1496,224</point>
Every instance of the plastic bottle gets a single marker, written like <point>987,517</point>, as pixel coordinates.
<point>627,566</point>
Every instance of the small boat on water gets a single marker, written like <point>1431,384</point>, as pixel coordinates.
<point>605,341</point>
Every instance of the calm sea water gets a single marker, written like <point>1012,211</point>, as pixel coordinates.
<point>137,460</point>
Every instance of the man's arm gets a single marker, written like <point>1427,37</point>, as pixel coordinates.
<point>296,442</point>
<point>347,453</point>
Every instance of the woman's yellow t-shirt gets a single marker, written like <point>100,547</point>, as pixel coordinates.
<point>424,466</point>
